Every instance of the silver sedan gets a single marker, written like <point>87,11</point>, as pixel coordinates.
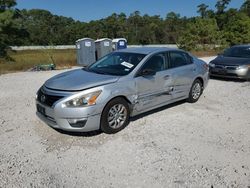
<point>120,85</point>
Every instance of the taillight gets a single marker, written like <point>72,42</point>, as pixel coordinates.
<point>205,65</point>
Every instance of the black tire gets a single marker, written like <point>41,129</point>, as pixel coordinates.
<point>192,97</point>
<point>108,113</point>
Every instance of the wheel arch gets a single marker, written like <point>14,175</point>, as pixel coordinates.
<point>119,96</point>
<point>200,79</point>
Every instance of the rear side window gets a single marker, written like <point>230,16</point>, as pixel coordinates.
<point>178,59</point>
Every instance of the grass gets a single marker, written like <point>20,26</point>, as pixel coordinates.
<point>25,60</point>
<point>206,53</point>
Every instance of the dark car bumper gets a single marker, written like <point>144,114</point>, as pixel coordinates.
<point>227,73</point>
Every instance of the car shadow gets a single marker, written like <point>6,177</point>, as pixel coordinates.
<point>157,110</point>
<point>228,79</point>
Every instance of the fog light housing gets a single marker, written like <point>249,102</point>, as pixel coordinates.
<point>77,123</point>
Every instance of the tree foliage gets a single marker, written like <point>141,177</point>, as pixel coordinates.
<point>221,5</point>
<point>6,4</point>
<point>218,27</point>
<point>201,33</point>
<point>11,30</point>
<point>246,7</point>
<point>202,9</point>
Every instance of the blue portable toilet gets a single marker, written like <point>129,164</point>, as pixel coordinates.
<point>119,43</point>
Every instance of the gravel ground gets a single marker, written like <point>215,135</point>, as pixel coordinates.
<point>205,144</point>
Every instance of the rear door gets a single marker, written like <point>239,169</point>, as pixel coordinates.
<point>156,89</point>
<point>183,72</point>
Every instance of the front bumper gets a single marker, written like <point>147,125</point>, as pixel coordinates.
<point>76,120</point>
<point>227,73</point>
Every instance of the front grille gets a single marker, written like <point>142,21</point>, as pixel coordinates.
<point>46,99</point>
<point>229,67</point>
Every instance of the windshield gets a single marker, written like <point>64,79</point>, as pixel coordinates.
<point>243,52</point>
<point>117,63</point>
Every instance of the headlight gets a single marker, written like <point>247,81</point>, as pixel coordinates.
<point>211,65</point>
<point>84,100</point>
<point>243,67</point>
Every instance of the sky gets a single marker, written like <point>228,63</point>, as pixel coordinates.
<point>87,10</point>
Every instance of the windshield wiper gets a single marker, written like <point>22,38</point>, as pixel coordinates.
<point>116,74</point>
<point>85,68</point>
<point>91,70</point>
<point>97,71</point>
<point>235,56</point>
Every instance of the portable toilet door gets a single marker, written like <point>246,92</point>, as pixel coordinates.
<point>85,48</point>
<point>103,47</point>
<point>119,43</point>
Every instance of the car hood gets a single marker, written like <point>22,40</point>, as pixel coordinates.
<point>78,79</point>
<point>231,60</point>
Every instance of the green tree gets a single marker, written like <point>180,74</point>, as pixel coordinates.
<point>10,29</point>
<point>238,31</point>
<point>174,25</point>
<point>202,10</point>
<point>46,28</point>
<point>135,22</point>
<point>151,30</point>
<point>245,7</point>
<point>6,4</point>
<point>201,34</point>
<point>220,16</point>
<point>221,5</point>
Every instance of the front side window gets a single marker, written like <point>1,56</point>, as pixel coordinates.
<point>117,63</point>
<point>155,63</point>
<point>178,59</point>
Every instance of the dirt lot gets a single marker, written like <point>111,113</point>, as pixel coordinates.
<point>183,145</point>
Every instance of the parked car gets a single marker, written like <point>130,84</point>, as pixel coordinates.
<point>233,63</point>
<point>120,85</point>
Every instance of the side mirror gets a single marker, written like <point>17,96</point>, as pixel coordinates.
<point>148,72</point>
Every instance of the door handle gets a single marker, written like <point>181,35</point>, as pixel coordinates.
<point>166,77</point>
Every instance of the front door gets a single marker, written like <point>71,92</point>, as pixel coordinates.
<point>154,90</point>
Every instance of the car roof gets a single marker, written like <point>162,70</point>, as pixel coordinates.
<point>147,50</point>
<point>242,45</point>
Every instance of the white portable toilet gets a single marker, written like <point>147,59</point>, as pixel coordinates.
<point>103,47</point>
<point>85,48</point>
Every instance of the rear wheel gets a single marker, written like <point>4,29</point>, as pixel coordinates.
<point>195,91</point>
<point>115,116</point>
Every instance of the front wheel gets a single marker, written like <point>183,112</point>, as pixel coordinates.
<point>195,91</point>
<point>115,116</point>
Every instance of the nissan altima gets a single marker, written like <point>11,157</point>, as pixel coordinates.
<point>233,63</point>
<point>120,85</point>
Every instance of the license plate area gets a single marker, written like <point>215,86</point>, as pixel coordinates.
<point>222,71</point>
<point>40,109</point>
